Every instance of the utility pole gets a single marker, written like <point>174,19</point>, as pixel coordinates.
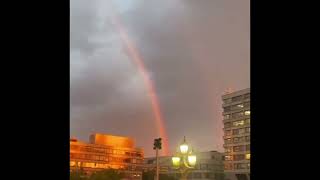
<point>157,147</point>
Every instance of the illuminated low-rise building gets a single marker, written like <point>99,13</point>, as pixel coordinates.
<point>107,151</point>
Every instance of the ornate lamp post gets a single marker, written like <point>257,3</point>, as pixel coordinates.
<point>184,160</point>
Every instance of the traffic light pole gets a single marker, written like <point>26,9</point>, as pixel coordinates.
<point>157,146</point>
<point>157,159</point>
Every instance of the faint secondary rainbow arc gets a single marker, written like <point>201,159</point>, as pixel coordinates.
<point>138,61</point>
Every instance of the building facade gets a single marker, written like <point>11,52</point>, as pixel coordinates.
<point>209,166</point>
<point>107,151</point>
<point>236,113</point>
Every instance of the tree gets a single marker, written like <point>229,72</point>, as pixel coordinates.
<point>149,175</point>
<point>77,175</point>
<point>109,174</point>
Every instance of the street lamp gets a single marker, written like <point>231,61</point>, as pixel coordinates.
<point>184,159</point>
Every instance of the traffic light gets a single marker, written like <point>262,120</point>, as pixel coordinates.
<point>157,143</point>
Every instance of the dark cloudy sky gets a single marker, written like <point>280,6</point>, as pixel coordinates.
<point>194,50</point>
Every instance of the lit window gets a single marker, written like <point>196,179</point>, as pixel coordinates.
<point>248,156</point>
<point>228,149</point>
<point>240,105</point>
<point>72,163</point>
<point>227,116</point>
<point>248,130</point>
<point>247,113</point>
<point>238,123</point>
<point>228,158</point>
<point>228,140</point>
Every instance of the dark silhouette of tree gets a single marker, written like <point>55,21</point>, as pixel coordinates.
<point>149,175</point>
<point>109,174</point>
<point>77,175</point>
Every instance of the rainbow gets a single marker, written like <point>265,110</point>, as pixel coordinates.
<point>136,57</point>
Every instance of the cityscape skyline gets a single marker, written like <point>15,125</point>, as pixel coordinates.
<point>192,52</point>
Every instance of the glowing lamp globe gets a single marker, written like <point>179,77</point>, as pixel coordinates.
<point>184,148</point>
<point>176,161</point>
<point>192,159</point>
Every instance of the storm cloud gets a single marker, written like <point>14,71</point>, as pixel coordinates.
<point>193,51</point>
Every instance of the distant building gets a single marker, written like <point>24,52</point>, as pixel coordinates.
<point>107,151</point>
<point>236,112</point>
<point>209,166</point>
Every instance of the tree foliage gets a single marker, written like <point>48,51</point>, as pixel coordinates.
<point>109,174</point>
<point>77,175</point>
<point>149,175</point>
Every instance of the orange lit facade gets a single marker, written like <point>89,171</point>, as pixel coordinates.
<point>107,151</point>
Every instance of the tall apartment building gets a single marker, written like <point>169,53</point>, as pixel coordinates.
<point>107,151</point>
<point>209,166</point>
<point>236,113</point>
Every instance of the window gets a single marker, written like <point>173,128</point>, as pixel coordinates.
<point>241,139</point>
<point>197,175</point>
<point>228,166</point>
<point>238,114</point>
<point>241,131</point>
<point>226,109</point>
<point>96,157</point>
<point>248,156</point>
<point>228,149</point>
<point>241,166</point>
<point>236,139</point>
<point>238,148</point>
<point>228,141</point>
<point>248,130</point>
<point>240,105</point>
<point>203,166</point>
<point>247,113</point>
<point>238,123</point>
<point>228,124</point>
<point>247,121</point>
<point>72,163</point>
<point>246,104</point>
<point>228,132</point>
<point>237,98</point>
<point>226,101</point>
<point>227,116</point>
<point>74,147</point>
<point>248,147</point>
<point>238,157</point>
<point>248,138</point>
<point>235,131</point>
